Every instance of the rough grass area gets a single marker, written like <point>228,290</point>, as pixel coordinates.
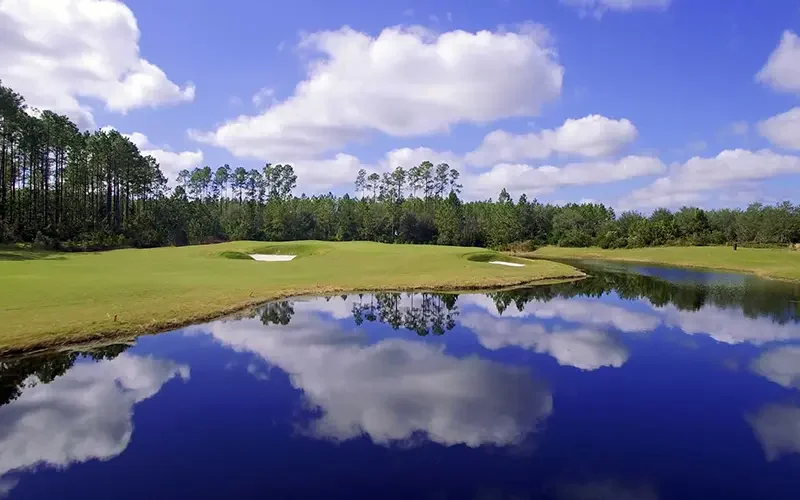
<point>779,263</point>
<point>49,299</point>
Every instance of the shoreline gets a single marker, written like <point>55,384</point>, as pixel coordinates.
<point>73,342</point>
<point>570,255</point>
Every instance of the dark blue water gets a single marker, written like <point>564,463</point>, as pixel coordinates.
<point>623,386</point>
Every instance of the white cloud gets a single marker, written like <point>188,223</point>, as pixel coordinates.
<point>395,388</point>
<point>599,7</point>
<point>780,365</point>
<point>519,178</point>
<point>729,326</point>
<point>263,96</point>
<point>687,183</point>
<point>58,52</point>
<point>782,70</point>
<point>407,81</point>
<point>171,163</point>
<point>138,138</point>
<point>777,428</point>
<point>583,348</point>
<point>585,312</point>
<point>590,136</point>
<point>336,308</point>
<point>6,485</point>
<point>411,157</point>
<point>783,130</point>
<point>83,415</point>
<point>314,176</point>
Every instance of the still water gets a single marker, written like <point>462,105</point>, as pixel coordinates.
<point>636,384</point>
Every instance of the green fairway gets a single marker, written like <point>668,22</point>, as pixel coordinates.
<point>54,298</point>
<point>768,262</point>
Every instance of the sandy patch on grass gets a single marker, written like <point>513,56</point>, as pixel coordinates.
<point>263,257</point>
<point>512,264</point>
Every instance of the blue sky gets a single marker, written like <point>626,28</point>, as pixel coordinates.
<point>670,101</point>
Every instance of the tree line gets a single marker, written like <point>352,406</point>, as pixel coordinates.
<point>69,189</point>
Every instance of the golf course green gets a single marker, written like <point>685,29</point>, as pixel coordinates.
<point>778,263</point>
<point>50,298</point>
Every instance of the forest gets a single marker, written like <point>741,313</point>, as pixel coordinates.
<point>66,189</point>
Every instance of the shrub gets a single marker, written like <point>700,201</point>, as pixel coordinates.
<point>521,246</point>
<point>575,238</point>
<point>44,242</point>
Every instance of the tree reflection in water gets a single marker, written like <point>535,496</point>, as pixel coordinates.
<point>423,313</point>
<point>18,373</point>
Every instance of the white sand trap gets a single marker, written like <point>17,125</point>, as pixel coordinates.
<point>263,257</point>
<point>511,264</point>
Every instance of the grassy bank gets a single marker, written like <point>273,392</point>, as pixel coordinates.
<point>766,262</point>
<point>55,298</point>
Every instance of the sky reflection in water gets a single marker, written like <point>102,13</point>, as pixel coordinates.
<point>621,386</point>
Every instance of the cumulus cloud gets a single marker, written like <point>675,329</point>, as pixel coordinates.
<point>407,81</point>
<point>57,53</point>
<point>170,162</point>
<point>783,130</point>
<point>263,96</point>
<point>314,176</point>
<point>777,428</point>
<point>519,178</point>
<point>782,70</point>
<point>83,415</point>
<point>729,326</point>
<point>583,348</point>
<point>585,312</point>
<point>320,175</point>
<point>395,388</point>
<point>599,7</point>
<point>689,182</point>
<point>780,365</point>
<point>411,157</point>
<point>590,136</point>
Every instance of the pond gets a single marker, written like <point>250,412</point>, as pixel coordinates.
<point>639,383</point>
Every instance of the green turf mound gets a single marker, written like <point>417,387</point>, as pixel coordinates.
<point>235,255</point>
<point>296,249</point>
<point>490,256</point>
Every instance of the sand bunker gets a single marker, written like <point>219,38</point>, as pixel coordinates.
<point>263,257</point>
<point>512,264</point>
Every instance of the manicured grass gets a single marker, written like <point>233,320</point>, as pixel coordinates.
<point>50,298</point>
<point>767,262</point>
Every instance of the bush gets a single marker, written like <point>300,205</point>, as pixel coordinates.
<point>94,242</point>
<point>575,238</point>
<point>44,242</point>
<point>521,246</point>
